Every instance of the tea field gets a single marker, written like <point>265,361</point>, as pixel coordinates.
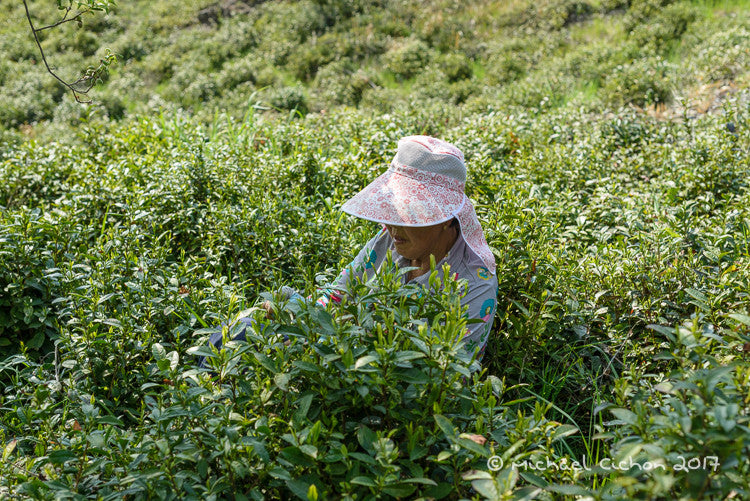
<point>617,367</point>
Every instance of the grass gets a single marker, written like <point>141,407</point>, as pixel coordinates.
<point>598,29</point>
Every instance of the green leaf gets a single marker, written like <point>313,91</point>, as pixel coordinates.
<point>366,481</point>
<point>412,376</point>
<point>717,375</point>
<point>440,491</point>
<point>307,366</point>
<point>363,457</point>
<point>744,319</point>
<point>420,480</point>
<point>445,424</point>
<point>486,487</point>
<point>304,407</point>
<point>60,456</point>
<point>624,415</point>
<point>533,479</point>
<point>265,362</point>
<point>363,361</point>
<point>298,458</point>
<point>282,380</point>
<point>158,351</point>
<point>111,420</point>
<point>280,473</point>
<point>568,490</point>
<point>405,356</point>
<point>366,438</point>
<point>310,450</point>
<point>725,415</point>
<point>8,450</point>
<point>174,359</point>
<point>474,447</point>
<point>36,342</point>
<point>299,488</point>
<point>202,467</point>
<point>312,493</point>
<point>399,490</point>
<point>562,431</point>
<point>527,493</point>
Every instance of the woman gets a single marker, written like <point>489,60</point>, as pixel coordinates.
<point>421,204</point>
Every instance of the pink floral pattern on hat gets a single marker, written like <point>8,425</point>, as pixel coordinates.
<point>423,194</point>
<point>393,198</point>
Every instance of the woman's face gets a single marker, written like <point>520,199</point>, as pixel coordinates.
<point>419,242</point>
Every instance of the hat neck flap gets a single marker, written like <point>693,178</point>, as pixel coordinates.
<point>472,233</point>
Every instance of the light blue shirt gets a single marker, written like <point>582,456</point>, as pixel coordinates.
<point>481,296</point>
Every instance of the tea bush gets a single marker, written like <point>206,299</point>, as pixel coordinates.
<point>347,407</point>
<point>665,28</point>
<point>643,83</point>
<point>562,49</point>
<point>692,425</point>
<point>604,228</point>
<point>622,243</point>
<point>407,59</point>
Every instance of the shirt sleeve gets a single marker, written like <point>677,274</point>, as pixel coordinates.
<point>366,260</point>
<point>481,300</point>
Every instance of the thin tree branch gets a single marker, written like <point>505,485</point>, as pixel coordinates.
<point>91,75</point>
<point>64,19</point>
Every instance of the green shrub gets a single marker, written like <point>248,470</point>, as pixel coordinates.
<point>407,58</point>
<point>85,43</point>
<point>722,56</point>
<point>340,83</point>
<point>456,66</point>
<point>665,28</point>
<point>375,396</point>
<point>509,60</point>
<point>443,31</point>
<point>641,83</point>
<point>237,33</point>
<point>306,61</point>
<point>28,276</point>
<point>289,98</point>
<point>237,72</point>
<point>159,66</point>
<point>556,14</point>
<point>691,426</point>
<point>29,100</point>
<point>640,11</point>
<point>19,46</point>
<point>191,87</point>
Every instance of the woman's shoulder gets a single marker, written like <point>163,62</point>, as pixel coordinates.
<point>468,265</point>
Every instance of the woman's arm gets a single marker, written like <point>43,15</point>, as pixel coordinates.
<point>482,304</point>
<point>367,259</point>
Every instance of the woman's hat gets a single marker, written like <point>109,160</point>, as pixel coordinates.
<point>423,186</point>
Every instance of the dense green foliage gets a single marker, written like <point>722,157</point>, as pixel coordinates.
<point>618,212</point>
<point>623,248</point>
<point>312,55</point>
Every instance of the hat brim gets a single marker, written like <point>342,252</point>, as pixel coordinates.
<point>393,198</point>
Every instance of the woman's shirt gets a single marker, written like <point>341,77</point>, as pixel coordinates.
<point>481,297</point>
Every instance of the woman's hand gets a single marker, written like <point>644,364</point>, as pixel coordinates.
<point>269,309</point>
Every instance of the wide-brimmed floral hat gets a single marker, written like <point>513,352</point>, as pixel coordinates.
<point>423,186</point>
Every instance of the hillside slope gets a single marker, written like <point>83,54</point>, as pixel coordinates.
<point>312,55</point>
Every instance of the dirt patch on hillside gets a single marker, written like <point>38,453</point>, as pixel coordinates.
<point>706,98</point>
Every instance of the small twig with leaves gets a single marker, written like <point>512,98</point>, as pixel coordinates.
<point>92,74</point>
